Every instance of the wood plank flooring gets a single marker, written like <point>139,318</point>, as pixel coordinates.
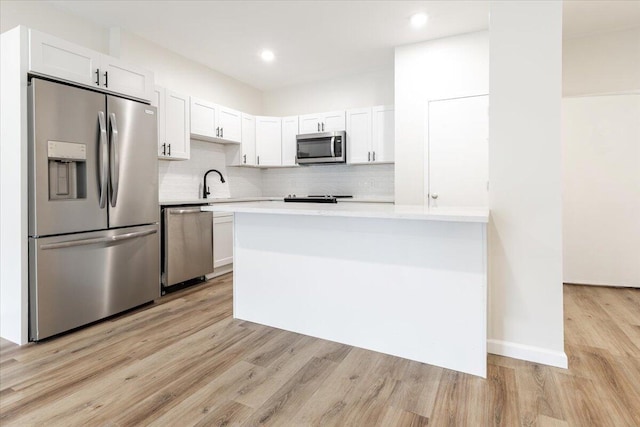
<point>184,361</point>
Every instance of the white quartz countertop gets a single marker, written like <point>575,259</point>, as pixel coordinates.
<point>201,201</point>
<point>356,210</point>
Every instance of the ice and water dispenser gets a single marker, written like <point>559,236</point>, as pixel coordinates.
<point>67,170</point>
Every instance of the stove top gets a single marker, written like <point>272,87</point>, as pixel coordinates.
<point>314,198</point>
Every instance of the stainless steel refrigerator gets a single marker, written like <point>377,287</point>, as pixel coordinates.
<point>93,206</point>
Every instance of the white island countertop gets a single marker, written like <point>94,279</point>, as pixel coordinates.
<point>357,210</point>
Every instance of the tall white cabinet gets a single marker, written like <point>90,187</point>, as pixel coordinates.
<point>268,141</point>
<point>173,124</point>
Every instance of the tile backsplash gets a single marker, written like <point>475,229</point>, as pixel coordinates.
<point>182,179</point>
<point>360,180</point>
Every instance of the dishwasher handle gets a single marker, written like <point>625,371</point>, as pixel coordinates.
<point>184,211</point>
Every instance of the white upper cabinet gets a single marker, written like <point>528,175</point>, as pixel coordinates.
<point>359,135</point>
<point>248,152</point>
<point>268,141</point>
<point>230,124</point>
<point>370,135</point>
<point>51,56</point>
<point>204,116</point>
<point>332,121</point>
<point>383,138</point>
<point>173,124</point>
<point>120,77</point>
<point>215,123</point>
<point>289,133</point>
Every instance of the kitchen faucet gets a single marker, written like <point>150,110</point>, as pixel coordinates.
<point>205,189</point>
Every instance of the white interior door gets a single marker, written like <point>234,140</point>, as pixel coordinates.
<point>458,152</point>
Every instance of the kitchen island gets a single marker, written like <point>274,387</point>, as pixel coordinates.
<point>401,280</point>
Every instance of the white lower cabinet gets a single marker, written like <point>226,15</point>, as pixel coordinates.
<point>173,124</point>
<point>370,135</point>
<point>222,239</point>
<point>289,133</point>
<point>268,141</point>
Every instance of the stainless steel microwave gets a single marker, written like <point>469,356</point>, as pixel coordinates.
<point>320,148</point>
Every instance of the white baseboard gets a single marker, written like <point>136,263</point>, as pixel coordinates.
<point>528,352</point>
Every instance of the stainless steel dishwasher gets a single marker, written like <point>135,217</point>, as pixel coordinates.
<point>187,244</point>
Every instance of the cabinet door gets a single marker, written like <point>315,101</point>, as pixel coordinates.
<point>383,141</point>
<point>158,102</point>
<point>54,57</point>
<point>359,135</point>
<point>333,121</point>
<point>289,133</point>
<point>203,118</point>
<point>268,141</point>
<point>222,240</point>
<point>230,123</point>
<point>177,125</point>
<point>248,140</point>
<point>309,123</point>
<point>121,77</point>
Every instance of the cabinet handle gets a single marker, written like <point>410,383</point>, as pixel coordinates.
<point>244,159</point>
<point>221,132</point>
<point>164,149</point>
<point>258,158</point>
<point>98,76</point>
<point>368,156</point>
<point>218,131</point>
<point>322,126</point>
<point>374,156</point>
<point>318,126</point>
<point>169,152</point>
<point>106,79</point>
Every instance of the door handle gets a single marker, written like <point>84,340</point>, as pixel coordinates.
<point>114,160</point>
<point>102,160</point>
<point>96,240</point>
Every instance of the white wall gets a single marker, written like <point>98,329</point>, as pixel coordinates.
<point>359,90</point>
<point>601,63</point>
<point>438,69</point>
<point>525,232</point>
<point>601,191</point>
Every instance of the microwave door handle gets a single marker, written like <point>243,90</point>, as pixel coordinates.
<point>103,164</point>
<point>115,161</point>
<point>333,146</point>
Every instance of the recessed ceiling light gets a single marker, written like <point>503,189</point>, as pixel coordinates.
<point>267,56</point>
<point>418,20</point>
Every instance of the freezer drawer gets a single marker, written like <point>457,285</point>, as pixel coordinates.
<point>77,279</point>
<point>188,244</point>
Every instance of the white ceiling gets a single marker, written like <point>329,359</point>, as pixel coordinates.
<point>313,40</point>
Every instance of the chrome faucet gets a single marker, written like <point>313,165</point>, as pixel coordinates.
<point>205,189</point>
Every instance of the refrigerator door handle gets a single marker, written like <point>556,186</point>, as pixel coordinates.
<point>114,160</point>
<point>97,240</point>
<point>102,161</point>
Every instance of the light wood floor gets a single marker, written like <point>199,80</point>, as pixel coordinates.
<point>185,361</point>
